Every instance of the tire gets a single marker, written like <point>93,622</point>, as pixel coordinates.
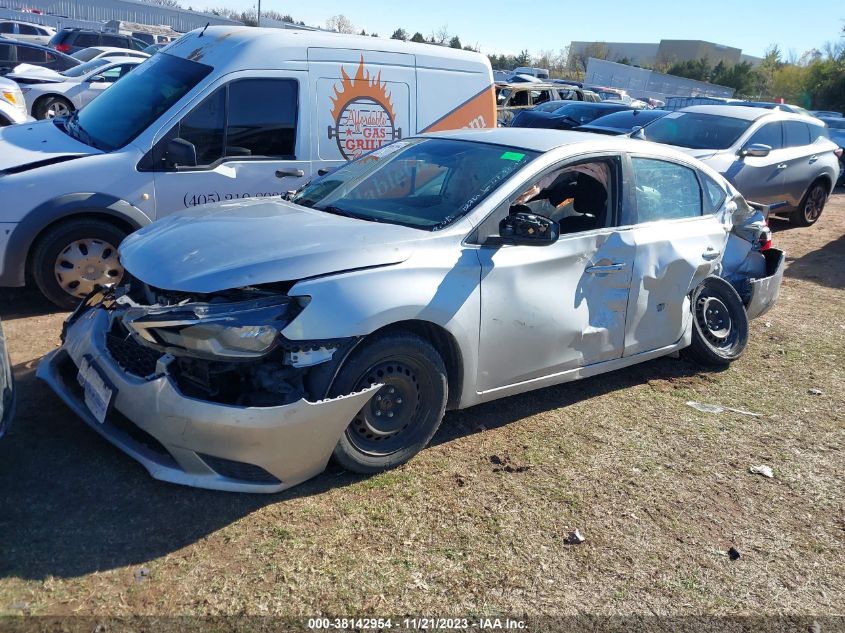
<point>52,106</point>
<point>403,416</point>
<point>811,207</point>
<point>720,324</point>
<point>73,257</point>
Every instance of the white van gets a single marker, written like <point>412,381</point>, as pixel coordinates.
<point>220,114</point>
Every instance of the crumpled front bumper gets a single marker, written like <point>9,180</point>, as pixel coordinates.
<point>193,442</point>
<point>766,290</point>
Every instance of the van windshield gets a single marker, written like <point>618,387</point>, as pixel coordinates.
<point>125,110</point>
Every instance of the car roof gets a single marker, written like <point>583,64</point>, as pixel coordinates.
<point>748,113</point>
<point>543,140</point>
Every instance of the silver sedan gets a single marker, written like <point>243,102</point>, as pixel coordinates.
<point>258,338</point>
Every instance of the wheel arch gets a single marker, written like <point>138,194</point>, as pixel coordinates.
<point>41,98</point>
<point>17,260</point>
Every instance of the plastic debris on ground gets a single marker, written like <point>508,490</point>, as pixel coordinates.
<point>717,408</point>
<point>763,470</point>
<point>574,538</point>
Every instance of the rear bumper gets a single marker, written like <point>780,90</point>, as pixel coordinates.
<point>193,442</point>
<point>765,290</point>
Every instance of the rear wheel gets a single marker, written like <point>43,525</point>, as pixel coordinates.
<point>53,106</point>
<point>403,416</point>
<point>73,258</point>
<point>720,324</point>
<point>811,206</point>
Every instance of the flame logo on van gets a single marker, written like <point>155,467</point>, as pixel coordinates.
<point>363,114</point>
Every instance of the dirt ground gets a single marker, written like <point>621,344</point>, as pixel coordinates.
<point>476,524</point>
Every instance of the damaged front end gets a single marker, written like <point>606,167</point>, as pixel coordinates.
<point>204,390</point>
<point>749,263</point>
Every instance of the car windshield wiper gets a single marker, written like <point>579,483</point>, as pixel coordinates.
<point>335,210</point>
<point>76,131</point>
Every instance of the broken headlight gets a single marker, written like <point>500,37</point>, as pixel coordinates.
<point>236,330</point>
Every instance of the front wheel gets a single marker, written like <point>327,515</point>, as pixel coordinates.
<point>51,107</point>
<point>720,324</point>
<point>811,206</point>
<point>403,416</point>
<point>74,258</point>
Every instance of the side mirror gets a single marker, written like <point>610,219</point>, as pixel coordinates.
<point>528,229</point>
<point>97,79</point>
<point>758,150</point>
<point>637,132</point>
<point>181,153</point>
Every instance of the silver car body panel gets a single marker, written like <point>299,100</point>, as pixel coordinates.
<point>520,317</point>
<point>292,442</point>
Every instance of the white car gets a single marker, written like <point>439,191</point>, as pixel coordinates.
<point>26,32</point>
<point>96,52</point>
<point>50,94</point>
<point>12,104</point>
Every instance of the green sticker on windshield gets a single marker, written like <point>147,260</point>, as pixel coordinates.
<point>512,156</point>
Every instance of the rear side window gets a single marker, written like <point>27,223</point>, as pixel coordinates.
<point>114,40</point>
<point>770,134</point>
<point>665,191</point>
<point>540,96</point>
<point>795,134</point>
<point>84,40</point>
<point>817,132</point>
<point>5,53</point>
<point>714,194</point>
<point>26,29</point>
<point>7,27</point>
<point>32,55</point>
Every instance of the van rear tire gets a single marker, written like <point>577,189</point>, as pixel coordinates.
<point>73,257</point>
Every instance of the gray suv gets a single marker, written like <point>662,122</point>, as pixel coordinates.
<point>784,160</point>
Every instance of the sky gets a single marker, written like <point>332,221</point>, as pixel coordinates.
<point>496,26</point>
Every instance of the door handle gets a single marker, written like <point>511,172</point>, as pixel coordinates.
<point>710,254</point>
<point>813,159</point>
<point>608,268</point>
<point>782,166</point>
<point>293,173</point>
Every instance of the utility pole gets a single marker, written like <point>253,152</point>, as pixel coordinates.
<point>259,12</point>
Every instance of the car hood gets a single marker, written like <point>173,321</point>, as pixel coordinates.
<point>700,154</point>
<point>231,245</point>
<point>24,147</point>
<point>40,73</point>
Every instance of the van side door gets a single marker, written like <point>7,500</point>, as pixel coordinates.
<point>247,137</point>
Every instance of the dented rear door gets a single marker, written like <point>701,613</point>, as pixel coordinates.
<point>676,247</point>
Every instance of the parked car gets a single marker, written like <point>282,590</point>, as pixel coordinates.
<point>257,339</point>
<point>153,143</point>
<point>12,104</point>
<point>26,31</point>
<point>773,157</point>
<point>512,98</point>
<point>783,107</point>
<point>611,94</point>
<point>72,40</point>
<point>568,82</point>
<point>836,131</point>
<point>13,54</point>
<point>7,387</point>
<point>153,49</point>
<point>539,73</point>
<point>49,94</point>
<point>826,114</point>
<point>95,52</point>
<point>569,115</point>
<point>622,122</point>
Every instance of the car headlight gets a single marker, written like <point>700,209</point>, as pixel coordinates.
<point>236,330</point>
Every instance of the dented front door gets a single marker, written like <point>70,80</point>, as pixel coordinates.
<point>547,309</point>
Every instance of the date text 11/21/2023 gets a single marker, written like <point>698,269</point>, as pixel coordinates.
<point>196,199</point>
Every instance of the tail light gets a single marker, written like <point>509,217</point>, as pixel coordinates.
<point>838,152</point>
<point>765,240</point>
<point>63,48</point>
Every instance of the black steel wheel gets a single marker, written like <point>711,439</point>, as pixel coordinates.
<point>402,417</point>
<point>720,324</point>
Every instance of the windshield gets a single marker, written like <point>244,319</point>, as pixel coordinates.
<point>835,124</point>
<point>696,131</point>
<point>421,183</point>
<point>140,97</point>
<point>84,69</point>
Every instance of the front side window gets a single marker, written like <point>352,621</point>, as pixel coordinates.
<point>665,191</point>
<point>246,118</point>
<point>696,131</point>
<point>84,69</point>
<point>26,29</point>
<point>795,134</point>
<point>770,134</point>
<point>84,40</point>
<point>7,27</point>
<point>540,96</point>
<point>5,53</point>
<point>31,55</point>
<point>422,183</point>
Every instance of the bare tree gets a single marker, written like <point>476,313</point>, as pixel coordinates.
<point>441,36</point>
<point>340,24</point>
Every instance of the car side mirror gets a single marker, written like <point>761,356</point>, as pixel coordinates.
<point>97,79</point>
<point>637,132</point>
<point>758,150</point>
<point>528,229</point>
<point>181,153</point>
